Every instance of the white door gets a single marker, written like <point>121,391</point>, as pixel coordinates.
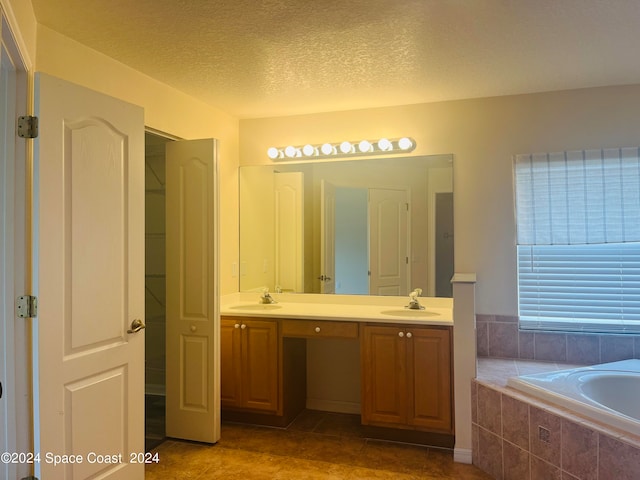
<point>327,237</point>
<point>89,277</point>
<point>289,213</point>
<point>388,237</point>
<point>193,379</point>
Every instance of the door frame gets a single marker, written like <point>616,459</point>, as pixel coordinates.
<point>16,344</point>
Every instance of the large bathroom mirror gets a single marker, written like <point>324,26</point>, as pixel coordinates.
<point>371,227</point>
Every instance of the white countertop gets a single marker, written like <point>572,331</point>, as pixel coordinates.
<point>354,308</point>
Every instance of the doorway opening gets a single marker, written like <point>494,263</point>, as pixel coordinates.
<point>444,244</point>
<point>377,218</point>
<point>155,290</point>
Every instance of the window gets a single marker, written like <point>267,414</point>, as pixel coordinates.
<point>578,220</point>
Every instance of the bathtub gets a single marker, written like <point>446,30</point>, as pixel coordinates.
<point>608,393</point>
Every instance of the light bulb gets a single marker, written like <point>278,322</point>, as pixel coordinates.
<point>365,146</point>
<point>291,151</point>
<point>327,149</point>
<point>273,153</point>
<point>308,150</point>
<point>405,143</point>
<point>346,147</point>
<point>385,145</point>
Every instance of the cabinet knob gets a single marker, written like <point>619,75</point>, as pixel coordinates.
<point>193,328</point>
<point>401,334</point>
<point>317,329</point>
<point>237,325</point>
<point>243,326</point>
<point>409,335</point>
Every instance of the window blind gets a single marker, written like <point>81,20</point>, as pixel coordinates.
<point>578,197</point>
<point>590,288</point>
<point>578,221</point>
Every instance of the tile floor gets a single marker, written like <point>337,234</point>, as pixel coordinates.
<point>316,445</point>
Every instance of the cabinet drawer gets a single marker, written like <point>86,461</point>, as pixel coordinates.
<point>319,329</point>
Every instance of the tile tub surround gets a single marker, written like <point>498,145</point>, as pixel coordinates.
<point>518,437</point>
<point>498,336</point>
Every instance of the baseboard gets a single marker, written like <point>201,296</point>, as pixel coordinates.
<point>462,455</point>
<point>333,406</point>
<point>404,435</point>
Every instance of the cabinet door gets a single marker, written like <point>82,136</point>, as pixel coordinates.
<point>384,375</point>
<point>260,364</point>
<point>230,363</point>
<point>429,378</point>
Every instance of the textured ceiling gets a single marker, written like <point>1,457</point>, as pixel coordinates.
<point>256,58</point>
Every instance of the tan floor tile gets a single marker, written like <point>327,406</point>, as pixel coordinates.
<point>307,421</point>
<point>340,424</point>
<point>394,457</point>
<point>337,453</point>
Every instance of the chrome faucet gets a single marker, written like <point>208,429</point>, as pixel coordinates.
<point>266,298</point>
<point>414,304</point>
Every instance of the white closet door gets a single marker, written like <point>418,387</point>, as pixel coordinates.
<point>388,237</point>
<point>289,213</point>
<point>193,325</point>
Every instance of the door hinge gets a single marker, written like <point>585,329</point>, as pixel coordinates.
<point>27,306</point>
<point>28,126</point>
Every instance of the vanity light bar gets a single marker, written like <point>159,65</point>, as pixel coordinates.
<point>343,149</point>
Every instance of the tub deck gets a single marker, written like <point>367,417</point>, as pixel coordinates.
<point>516,435</point>
<point>495,373</point>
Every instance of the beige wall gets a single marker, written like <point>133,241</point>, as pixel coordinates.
<point>483,134</point>
<point>22,20</point>
<point>166,110</point>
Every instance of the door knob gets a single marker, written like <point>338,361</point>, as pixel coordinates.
<point>136,326</point>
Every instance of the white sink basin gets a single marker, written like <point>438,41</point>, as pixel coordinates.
<point>405,312</point>
<point>256,306</point>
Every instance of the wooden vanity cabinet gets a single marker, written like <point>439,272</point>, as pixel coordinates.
<point>407,377</point>
<point>262,377</point>
<point>249,363</point>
